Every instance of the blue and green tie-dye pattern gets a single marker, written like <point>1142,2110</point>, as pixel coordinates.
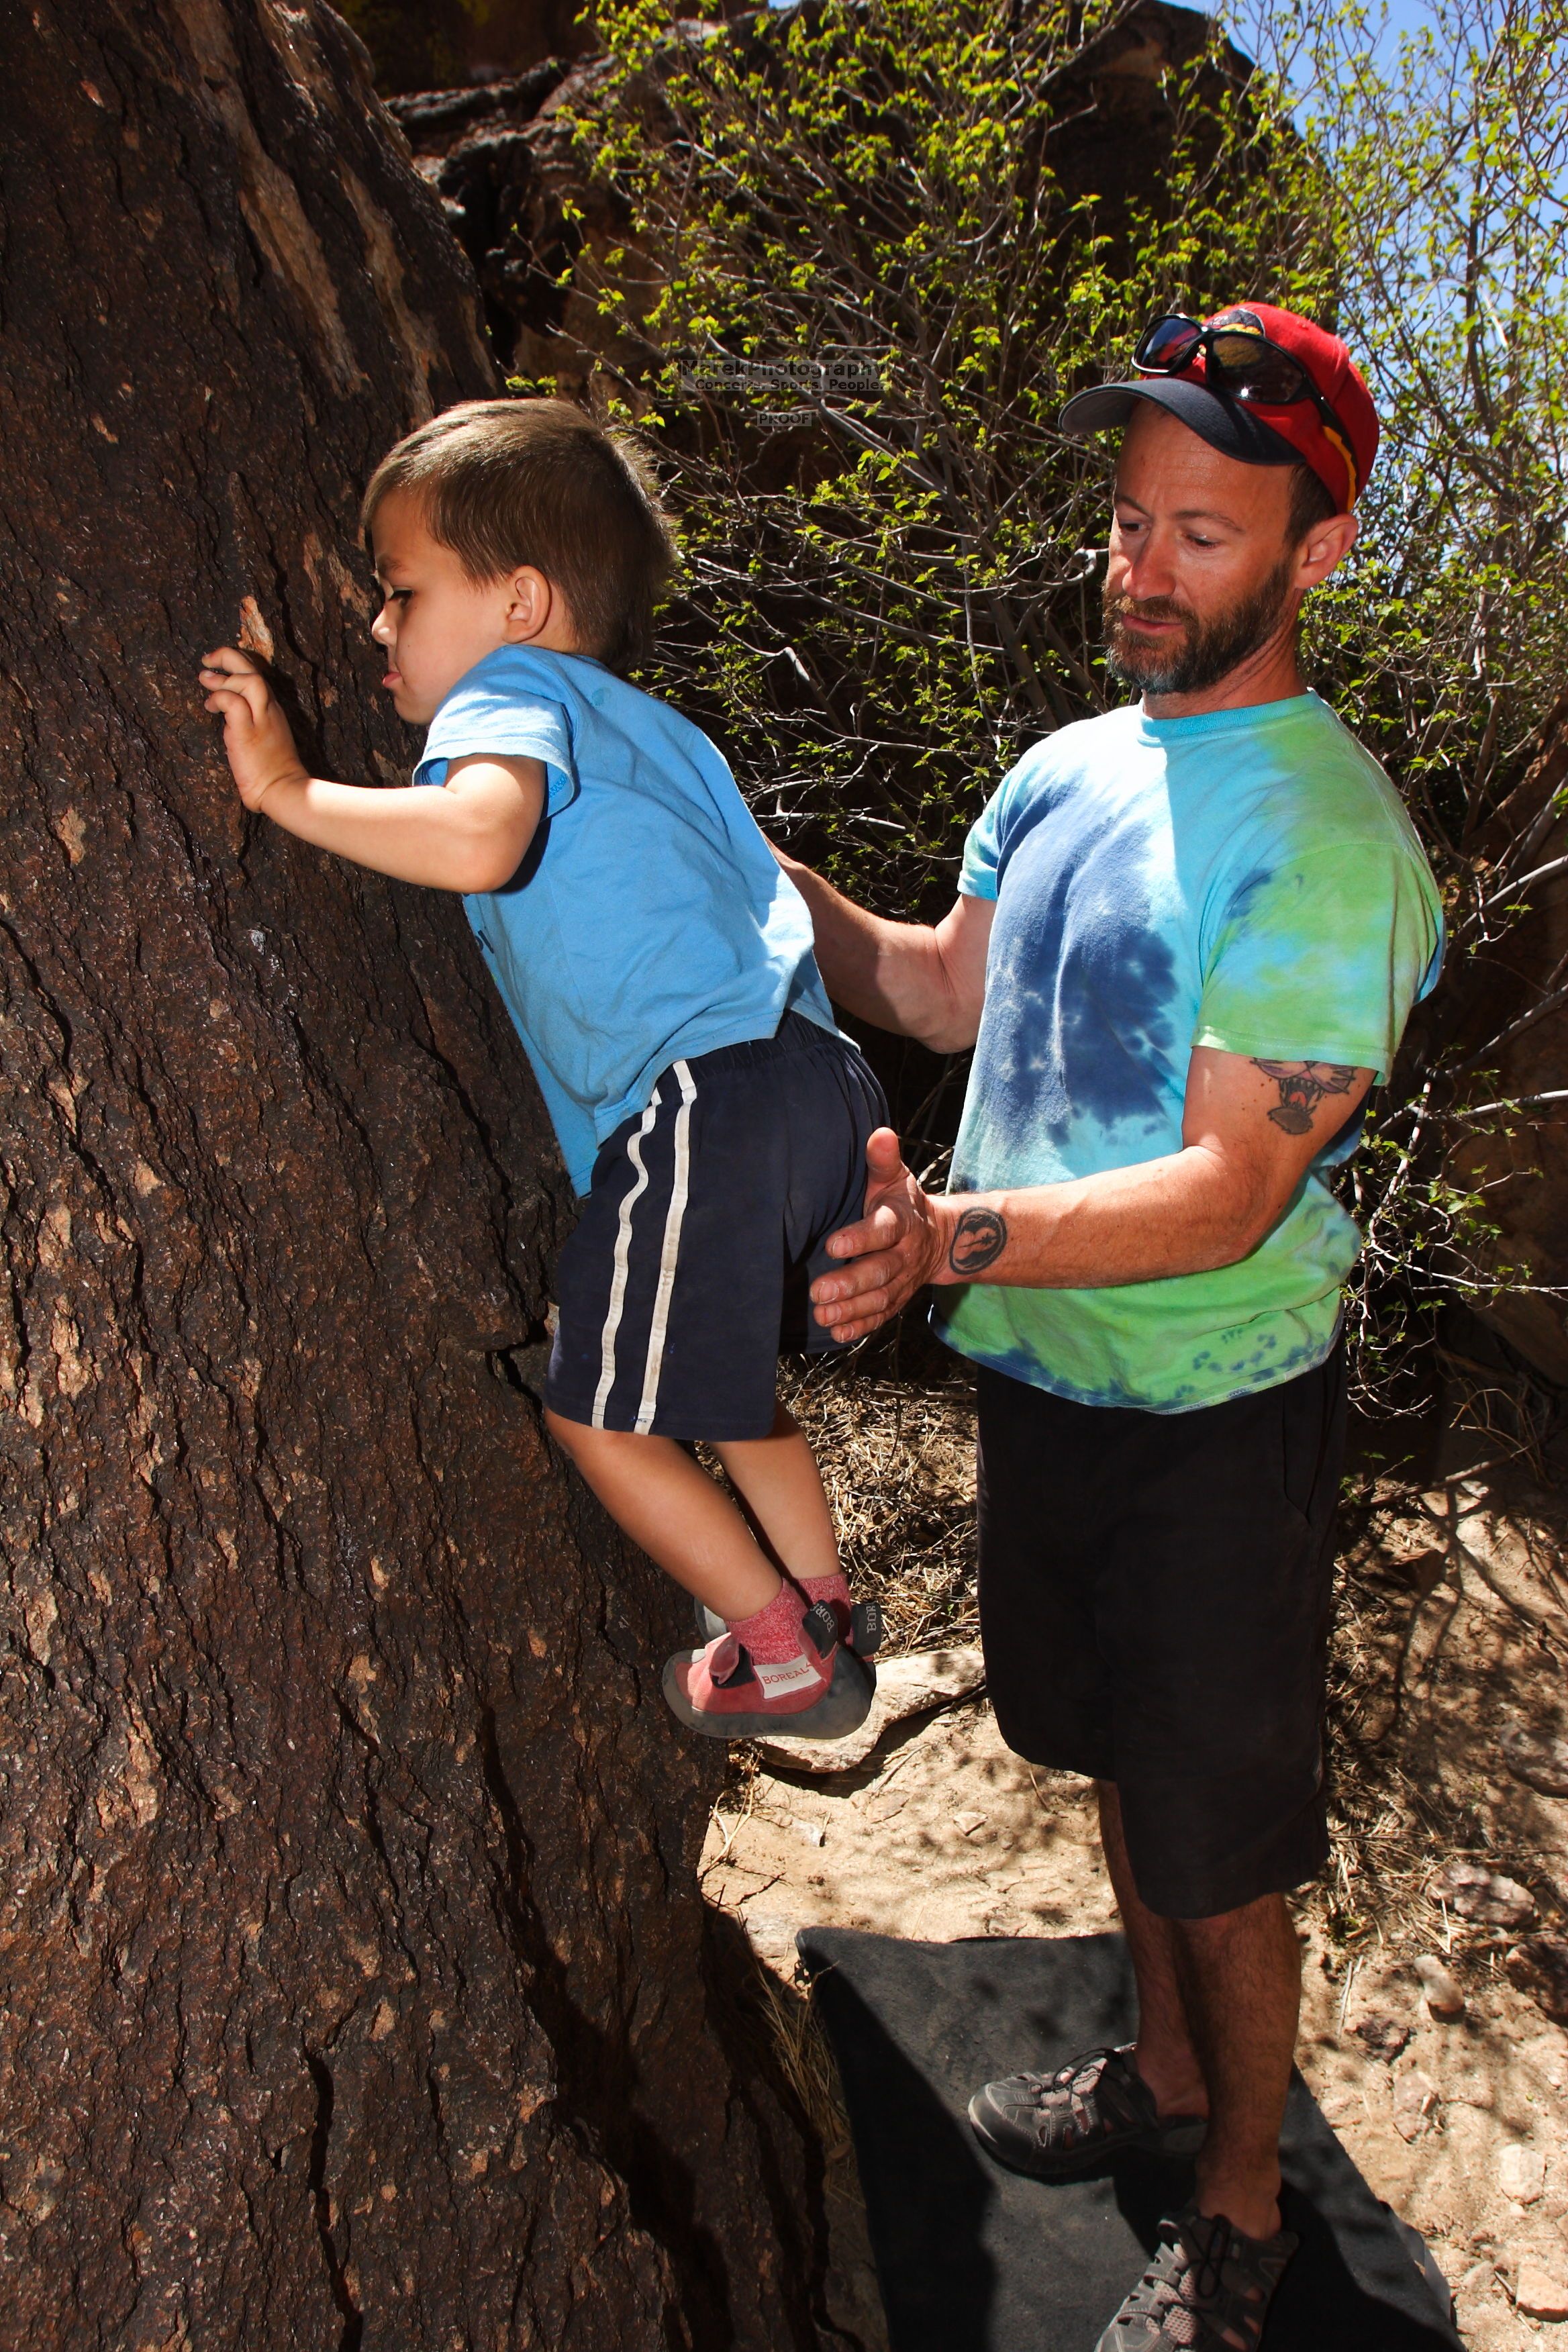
<point>1247,880</point>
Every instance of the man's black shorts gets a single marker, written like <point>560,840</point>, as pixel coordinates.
<point>687,1270</point>
<point>1155,1594</point>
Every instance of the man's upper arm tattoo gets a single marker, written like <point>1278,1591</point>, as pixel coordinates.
<point>978,1240</point>
<point>1302,1087</point>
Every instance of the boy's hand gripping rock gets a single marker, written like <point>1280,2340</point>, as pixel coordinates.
<point>256,735</point>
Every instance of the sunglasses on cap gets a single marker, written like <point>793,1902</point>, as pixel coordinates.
<point>1238,360</point>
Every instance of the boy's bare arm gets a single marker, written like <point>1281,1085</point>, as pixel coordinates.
<point>470,835</point>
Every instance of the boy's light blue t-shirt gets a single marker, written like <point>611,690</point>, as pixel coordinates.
<point>649,922</point>
<point>1247,880</point>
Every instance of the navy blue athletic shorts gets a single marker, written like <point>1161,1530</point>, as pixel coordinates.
<point>688,1269</point>
<point>1156,1596</point>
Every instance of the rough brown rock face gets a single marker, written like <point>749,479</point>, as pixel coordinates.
<point>349,1984</point>
<point>418,43</point>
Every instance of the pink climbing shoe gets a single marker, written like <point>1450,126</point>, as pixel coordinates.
<point>824,1693</point>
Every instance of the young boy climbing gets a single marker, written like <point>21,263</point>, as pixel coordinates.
<point>657,966</point>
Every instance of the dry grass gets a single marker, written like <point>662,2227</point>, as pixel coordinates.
<point>803,2057</point>
<point>892,1427</point>
<point>1453,1619</point>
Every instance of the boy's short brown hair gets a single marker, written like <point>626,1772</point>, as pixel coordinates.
<point>510,482</point>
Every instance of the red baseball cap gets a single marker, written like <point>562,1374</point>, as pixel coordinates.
<point>1261,432</point>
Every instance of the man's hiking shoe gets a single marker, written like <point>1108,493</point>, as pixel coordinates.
<point>1056,2125</point>
<point>1206,2289</point>
<point>720,1690</point>
<point>858,1624</point>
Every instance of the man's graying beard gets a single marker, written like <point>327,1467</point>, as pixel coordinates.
<point>1209,651</point>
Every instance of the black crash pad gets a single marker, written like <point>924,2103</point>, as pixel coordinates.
<point>972,2258</point>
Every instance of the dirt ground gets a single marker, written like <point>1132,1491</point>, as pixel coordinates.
<point>1456,1631</point>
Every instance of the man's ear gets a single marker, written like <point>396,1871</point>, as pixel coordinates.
<point>1326,546</point>
<point>531,603</point>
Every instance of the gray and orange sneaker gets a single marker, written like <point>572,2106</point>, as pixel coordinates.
<point>1056,2126</point>
<point>722,1692</point>
<point>1207,2288</point>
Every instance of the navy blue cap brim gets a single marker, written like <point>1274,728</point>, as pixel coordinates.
<point>1225,425</point>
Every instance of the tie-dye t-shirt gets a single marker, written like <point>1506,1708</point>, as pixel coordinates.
<point>1248,881</point>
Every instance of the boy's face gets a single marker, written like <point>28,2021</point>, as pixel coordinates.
<point>436,622</point>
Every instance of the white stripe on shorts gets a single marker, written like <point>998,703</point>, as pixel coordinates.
<point>668,1255</point>
<point>623,1254</point>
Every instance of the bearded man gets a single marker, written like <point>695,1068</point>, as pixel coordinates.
<point>1188,937</point>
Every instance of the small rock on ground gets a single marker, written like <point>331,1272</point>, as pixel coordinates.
<point>1383,2037</point>
<point>1522,2173</point>
<point>1540,1965</point>
<point>1444,1997</point>
<point>1477,1892</point>
<point>1541,1763</point>
<point>1414,2104</point>
<point>1542,2292</point>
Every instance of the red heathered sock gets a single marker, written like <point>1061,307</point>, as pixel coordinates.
<point>834,1590</point>
<point>774,1634</point>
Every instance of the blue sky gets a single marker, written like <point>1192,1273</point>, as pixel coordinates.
<point>1404,15</point>
<point>1401,16</point>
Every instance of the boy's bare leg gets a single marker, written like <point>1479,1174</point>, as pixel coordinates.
<point>667,1503</point>
<point>778,1482</point>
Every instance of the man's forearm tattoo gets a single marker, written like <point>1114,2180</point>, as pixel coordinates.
<point>1302,1087</point>
<point>978,1240</point>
